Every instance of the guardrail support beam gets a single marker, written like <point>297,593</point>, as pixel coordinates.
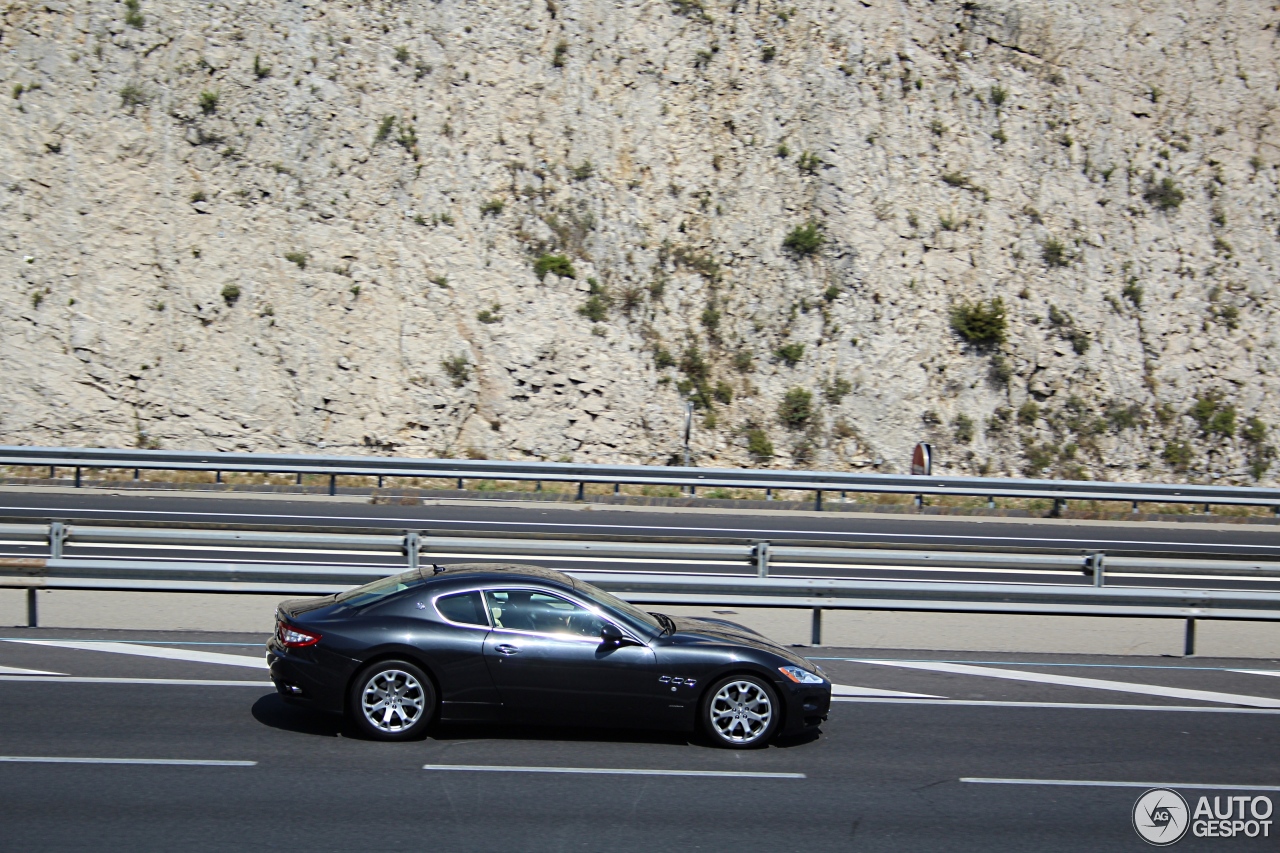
<point>33,617</point>
<point>1098,564</point>
<point>815,638</point>
<point>581,490</point>
<point>333,484</point>
<point>412,547</point>
<point>57,538</point>
<point>77,476</point>
<point>762,559</point>
<point>817,501</point>
<point>1189,645</point>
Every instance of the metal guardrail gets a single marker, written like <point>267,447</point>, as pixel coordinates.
<point>741,577</point>
<point>818,482</point>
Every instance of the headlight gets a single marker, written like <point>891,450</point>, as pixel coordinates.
<point>800,676</point>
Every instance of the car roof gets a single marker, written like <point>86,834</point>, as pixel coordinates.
<point>496,572</point>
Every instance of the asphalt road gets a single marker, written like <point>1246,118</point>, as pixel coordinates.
<point>1219,540</point>
<point>886,773</point>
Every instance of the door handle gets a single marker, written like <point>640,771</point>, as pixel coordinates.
<point>505,649</point>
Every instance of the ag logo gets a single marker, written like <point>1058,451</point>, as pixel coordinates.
<point>1160,817</point>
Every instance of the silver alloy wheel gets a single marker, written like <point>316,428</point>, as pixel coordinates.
<point>392,700</point>
<point>741,711</point>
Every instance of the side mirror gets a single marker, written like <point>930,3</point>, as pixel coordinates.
<point>611,634</point>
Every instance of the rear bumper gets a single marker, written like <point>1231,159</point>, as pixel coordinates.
<point>302,680</point>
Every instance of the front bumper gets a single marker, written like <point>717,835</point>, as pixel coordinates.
<point>807,706</point>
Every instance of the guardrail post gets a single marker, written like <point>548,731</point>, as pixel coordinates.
<point>412,545</point>
<point>919,501</point>
<point>538,487</point>
<point>460,484</point>
<point>77,476</point>
<point>817,502</point>
<point>815,638</point>
<point>53,472</point>
<point>1189,644</point>
<point>617,488</point>
<point>217,476</point>
<point>57,537</point>
<point>1208,509</point>
<point>1135,507</point>
<point>762,559</point>
<point>991,503</point>
<point>379,481</point>
<point>298,480</point>
<point>581,490</point>
<point>137,474</point>
<point>333,484</point>
<point>1097,563</point>
<point>33,617</point>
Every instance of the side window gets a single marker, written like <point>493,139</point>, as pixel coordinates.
<point>466,608</point>
<point>541,613</point>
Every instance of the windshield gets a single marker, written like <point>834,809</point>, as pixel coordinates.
<point>614,603</point>
<point>380,588</point>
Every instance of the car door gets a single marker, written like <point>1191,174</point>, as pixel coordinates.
<point>550,665</point>
<point>450,635</point>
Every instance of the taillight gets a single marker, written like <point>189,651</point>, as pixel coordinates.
<point>295,638</point>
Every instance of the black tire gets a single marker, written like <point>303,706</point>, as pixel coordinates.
<point>411,706</point>
<point>731,709</point>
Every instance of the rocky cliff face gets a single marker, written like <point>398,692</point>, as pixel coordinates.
<point>1045,235</point>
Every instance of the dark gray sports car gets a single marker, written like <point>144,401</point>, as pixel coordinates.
<point>508,643</point>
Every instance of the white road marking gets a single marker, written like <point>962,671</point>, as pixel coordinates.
<point>14,670</point>
<point>177,682</point>
<point>152,652</point>
<point>1086,783</point>
<point>1091,683</point>
<point>663,527</point>
<point>991,703</point>
<point>164,762</point>
<point>614,771</point>
<point>849,690</point>
<point>1276,673</point>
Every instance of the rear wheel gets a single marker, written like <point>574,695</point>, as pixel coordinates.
<point>741,712</point>
<point>392,700</point>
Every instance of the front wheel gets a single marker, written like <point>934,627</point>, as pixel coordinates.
<point>392,700</point>
<point>741,712</point>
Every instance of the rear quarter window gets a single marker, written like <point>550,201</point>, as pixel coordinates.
<point>465,608</point>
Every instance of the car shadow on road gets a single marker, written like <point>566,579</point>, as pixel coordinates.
<point>273,711</point>
<point>447,732</point>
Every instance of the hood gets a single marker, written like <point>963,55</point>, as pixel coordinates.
<point>720,631</point>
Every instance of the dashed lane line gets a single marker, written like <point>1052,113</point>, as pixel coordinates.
<point>1091,783</point>
<point>15,670</point>
<point>176,682</point>
<point>612,771</point>
<point>1083,706</point>
<point>193,655</point>
<point>162,762</point>
<point>1090,683</point>
<point>850,690</point>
